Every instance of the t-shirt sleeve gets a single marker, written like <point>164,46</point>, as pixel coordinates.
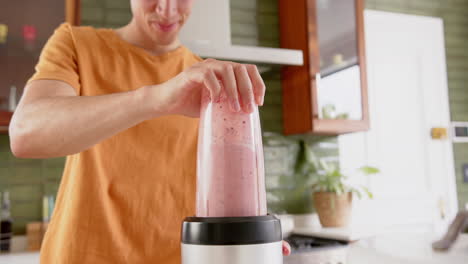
<point>58,59</point>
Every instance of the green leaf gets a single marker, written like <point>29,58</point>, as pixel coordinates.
<point>310,157</point>
<point>369,170</point>
<point>369,193</point>
<point>358,193</point>
<point>301,163</point>
<point>284,180</point>
<point>325,166</point>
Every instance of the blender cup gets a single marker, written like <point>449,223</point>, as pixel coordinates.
<point>230,170</point>
<point>231,224</point>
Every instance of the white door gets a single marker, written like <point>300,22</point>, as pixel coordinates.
<point>407,97</point>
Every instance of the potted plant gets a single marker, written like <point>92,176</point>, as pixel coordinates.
<point>332,196</point>
<point>312,175</point>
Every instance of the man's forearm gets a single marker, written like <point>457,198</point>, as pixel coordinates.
<point>64,125</point>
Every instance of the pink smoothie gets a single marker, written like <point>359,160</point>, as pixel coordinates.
<point>233,190</point>
<point>230,164</point>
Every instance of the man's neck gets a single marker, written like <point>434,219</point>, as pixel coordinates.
<point>133,35</point>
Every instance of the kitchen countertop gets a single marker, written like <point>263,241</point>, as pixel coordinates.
<point>406,248</point>
<point>386,249</point>
<point>20,258</point>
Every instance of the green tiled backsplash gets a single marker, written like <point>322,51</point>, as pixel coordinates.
<point>285,189</point>
<point>253,23</point>
<point>27,180</point>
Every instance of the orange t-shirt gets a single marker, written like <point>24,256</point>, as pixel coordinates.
<point>124,199</point>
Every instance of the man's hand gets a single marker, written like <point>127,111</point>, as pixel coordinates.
<point>240,83</point>
<point>286,248</point>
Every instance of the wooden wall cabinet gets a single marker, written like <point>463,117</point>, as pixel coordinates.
<point>328,94</point>
<point>25,28</point>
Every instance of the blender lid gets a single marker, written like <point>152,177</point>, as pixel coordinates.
<point>231,230</point>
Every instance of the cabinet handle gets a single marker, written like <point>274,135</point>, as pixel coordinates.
<point>318,78</point>
<point>318,115</point>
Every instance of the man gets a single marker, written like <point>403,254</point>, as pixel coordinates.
<point>120,104</point>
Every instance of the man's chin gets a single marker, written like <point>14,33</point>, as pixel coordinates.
<point>164,40</point>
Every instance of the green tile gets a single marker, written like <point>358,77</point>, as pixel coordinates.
<point>4,143</point>
<point>270,43</point>
<point>92,3</point>
<point>25,175</point>
<point>5,159</point>
<point>273,85</point>
<point>314,140</point>
<point>241,4</point>
<point>244,30</point>
<point>52,174</point>
<point>268,19</point>
<point>19,226</point>
<point>109,25</point>
<point>273,98</point>
<point>54,163</point>
<point>241,40</point>
<point>271,115</point>
<point>267,6</point>
<point>266,32</point>
<point>5,174</point>
<point>21,193</point>
<point>120,4</point>
<point>117,17</point>
<point>91,23</point>
<point>243,16</point>
<point>26,210</point>
<point>51,188</point>
<point>92,14</point>
<point>272,127</point>
<point>26,163</point>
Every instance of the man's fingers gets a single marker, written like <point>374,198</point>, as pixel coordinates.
<point>211,82</point>
<point>230,86</point>
<point>257,83</point>
<point>244,85</point>
<point>241,83</point>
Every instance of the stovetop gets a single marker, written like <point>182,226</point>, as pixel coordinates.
<point>314,250</point>
<point>301,244</point>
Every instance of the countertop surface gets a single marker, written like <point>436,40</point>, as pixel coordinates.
<point>406,249</point>
<point>386,249</point>
<point>20,258</point>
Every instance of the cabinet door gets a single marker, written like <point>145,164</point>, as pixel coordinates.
<point>339,84</point>
<point>340,91</point>
<point>332,82</point>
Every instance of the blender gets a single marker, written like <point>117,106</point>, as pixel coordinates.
<point>231,225</point>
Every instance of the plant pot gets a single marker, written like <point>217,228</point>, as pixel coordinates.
<point>334,210</point>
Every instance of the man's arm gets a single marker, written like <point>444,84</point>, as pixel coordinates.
<point>52,121</point>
